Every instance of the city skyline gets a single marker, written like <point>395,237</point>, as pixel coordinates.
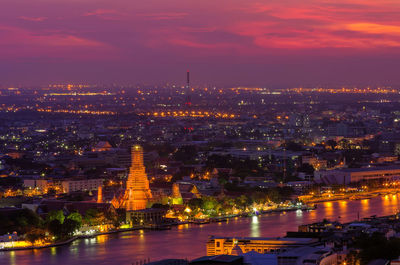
<point>230,132</point>
<point>277,43</point>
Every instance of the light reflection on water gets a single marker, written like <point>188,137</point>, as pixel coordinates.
<point>255,227</point>
<point>365,205</point>
<point>329,209</point>
<point>299,213</point>
<point>12,257</point>
<point>188,241</point>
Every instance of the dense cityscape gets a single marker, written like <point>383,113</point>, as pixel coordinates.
<point>231,132</point>
<point>84,160</point>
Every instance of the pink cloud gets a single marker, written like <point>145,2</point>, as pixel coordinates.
<point>278,25</point>
<point>20,42</point>
<point>233,31</point>
<point>320,24</point>
<point>199,45</point>
<point>34,19</point>
<point>100,12</point>
<point>267,35</point>
<point>106,14</point>
<point>164,15</point>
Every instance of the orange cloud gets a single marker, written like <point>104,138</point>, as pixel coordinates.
<point>320,24</point>
<point>372,28</point>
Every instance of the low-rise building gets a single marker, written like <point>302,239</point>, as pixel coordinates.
<point>352,175</point>
<point>225,245</point>
<point>309,256</point>
<point>146,216</point>
<point>41,184</point>
<point>81,185</point>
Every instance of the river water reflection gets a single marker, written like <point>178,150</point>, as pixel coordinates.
<point>188,241</point>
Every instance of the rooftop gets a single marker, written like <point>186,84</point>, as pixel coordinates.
<point>282,239</point>
<point>218,258</point>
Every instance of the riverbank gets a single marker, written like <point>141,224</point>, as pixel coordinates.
<point>188,241</point>
<point>352,196</point>
<point>221,219</point>
<point>72,239</point>
<point>165,226</point>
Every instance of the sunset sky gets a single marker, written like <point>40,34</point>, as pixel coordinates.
<point>224,42</point>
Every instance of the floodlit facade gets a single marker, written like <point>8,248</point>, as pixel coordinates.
<point>137,191</point>
<point>225,245</point>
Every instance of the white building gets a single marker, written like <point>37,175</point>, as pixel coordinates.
<point>81,185</point>
<point>41,184</point>
<point>352,175</point>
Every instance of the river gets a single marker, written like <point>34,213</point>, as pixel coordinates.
<point>189,241</point>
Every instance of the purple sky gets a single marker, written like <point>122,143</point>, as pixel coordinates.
<point>224,42</point>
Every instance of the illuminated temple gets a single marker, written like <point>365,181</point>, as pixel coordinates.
<point>137,192</point>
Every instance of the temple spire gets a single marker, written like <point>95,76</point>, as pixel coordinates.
<point>137,191</point>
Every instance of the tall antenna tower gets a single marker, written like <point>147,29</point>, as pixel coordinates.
<point>188,106</point>
<point>188,102</point>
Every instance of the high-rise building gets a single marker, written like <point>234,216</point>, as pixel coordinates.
<point>137,191</point>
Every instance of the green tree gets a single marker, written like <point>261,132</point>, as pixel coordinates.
<point>195,203</point>
<point>210,205</point>
<point>35,234</point>
<point>259,197</point>
<point>94,217</point>
<point>55,228</point>
<point>20,221</point>
<point>56,215</point>
<point>69,227</point>
<point>274,195</point>
<point>242,201</point>
<point>77,217</point>
<point>227,204</point>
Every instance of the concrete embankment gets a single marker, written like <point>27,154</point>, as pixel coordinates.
<point>68,241</point>
<point>351,196</point>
